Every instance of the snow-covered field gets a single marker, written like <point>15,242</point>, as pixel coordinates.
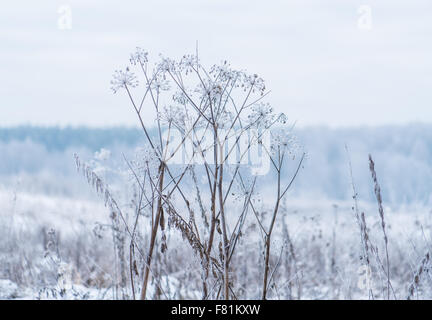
<point>56,248</point>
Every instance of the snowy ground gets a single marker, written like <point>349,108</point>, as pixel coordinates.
<point>51,249</point>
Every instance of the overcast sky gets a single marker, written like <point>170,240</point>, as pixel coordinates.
<point>322,64</point>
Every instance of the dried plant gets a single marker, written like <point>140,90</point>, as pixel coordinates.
<point>417,276</point>
<point>361,222</point>
<point>221,115</point>
<point>377,190</point>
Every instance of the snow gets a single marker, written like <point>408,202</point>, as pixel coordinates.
<point>8,289</point>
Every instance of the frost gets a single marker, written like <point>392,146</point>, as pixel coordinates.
<point>140,56</point>
<point>123,79</point>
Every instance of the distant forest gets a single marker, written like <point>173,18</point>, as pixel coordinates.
<point>59,139</point>
<point>403,156</point>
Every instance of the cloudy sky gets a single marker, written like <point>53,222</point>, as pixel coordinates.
<point>323,60</point>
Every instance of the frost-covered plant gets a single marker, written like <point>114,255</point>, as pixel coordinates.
<point>212,111</point>
<point>194,173</point>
